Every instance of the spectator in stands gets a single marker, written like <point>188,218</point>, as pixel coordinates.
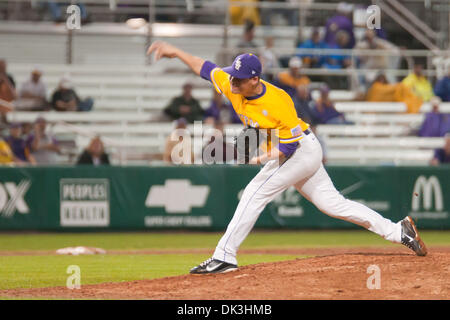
<point>419,83</point>
<point>372,41</point>
<point>94,154</point>
<point>380,62</point>
<point>66,99</point>
<point>442,156</point>
<point>5,107</point>
<point>240,14</point>
<point>442,87</point>
<point>338,60</point>
<point>382,91</point>
<point>219,110</point>
<point>58,10</point>
<point>217,150</point>
<point>44,147</point>
<point>247,45</point>
<point>19,146</point>
<point>435,124</point>
<point>324,111</point>
<point>291,79</point>
<point>342,20</point>
<point>7,84</point>
<point>315,42</point>
<point>6,154</point>
<point>289,14</point>
<point>7,91</point>
<point>33,93</point>
<point>304,104</point>
<point>4,73</point>
<point>269,60</point>
<point>27,130</point>
<point>185,106</point>
<point>179,150</point>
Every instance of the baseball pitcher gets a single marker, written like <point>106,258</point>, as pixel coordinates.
<point>295,161</point>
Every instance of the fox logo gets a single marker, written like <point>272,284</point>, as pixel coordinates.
<point>12,198</point>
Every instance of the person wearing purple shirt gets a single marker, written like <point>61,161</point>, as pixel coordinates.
<point>18,145</point>
<point>442,156</point>
<point>340,21</point>
<point>436,124</point>
<point>222,111</point>
<point>324,111</point>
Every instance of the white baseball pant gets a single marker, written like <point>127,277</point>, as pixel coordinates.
<point>305,171</point>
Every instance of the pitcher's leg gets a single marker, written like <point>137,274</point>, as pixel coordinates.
<point>319,189</point>
<point>250,206</point>
<point>268,183</point>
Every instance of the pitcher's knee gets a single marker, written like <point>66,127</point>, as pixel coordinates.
<point>336,205</point>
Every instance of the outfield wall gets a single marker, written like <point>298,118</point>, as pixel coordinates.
<point>204,197</point>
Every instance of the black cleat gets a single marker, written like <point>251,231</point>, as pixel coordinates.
<point>411,238</point>
<point>213,266</point>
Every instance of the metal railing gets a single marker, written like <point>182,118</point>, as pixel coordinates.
<point>118,151</point>
<point>153,29</point>
<point>227,51</point>
<point>409,22</point>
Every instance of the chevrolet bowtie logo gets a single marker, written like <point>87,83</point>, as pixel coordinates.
<point>177,196</point>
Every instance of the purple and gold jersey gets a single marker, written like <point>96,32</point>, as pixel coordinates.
<point>272,109</point>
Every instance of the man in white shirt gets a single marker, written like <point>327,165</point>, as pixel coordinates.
<point>33,93</point>
<point>269,59</point>
<point>378,62</point>
<point>44,146</point>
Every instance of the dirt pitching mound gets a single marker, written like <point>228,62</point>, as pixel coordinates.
<point>333,276</point>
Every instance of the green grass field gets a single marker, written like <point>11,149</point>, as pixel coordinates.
<point>44,270</point>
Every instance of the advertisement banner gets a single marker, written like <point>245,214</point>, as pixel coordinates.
<point>205,197</point>
<point>425,196</point>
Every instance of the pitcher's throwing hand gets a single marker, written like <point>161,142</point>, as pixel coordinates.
<point>162,50</point>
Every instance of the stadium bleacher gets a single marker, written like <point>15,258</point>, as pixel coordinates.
<point>128,101</point>
<point>109,65</point>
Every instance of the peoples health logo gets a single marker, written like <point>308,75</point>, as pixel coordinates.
<point>177,196</point>
<point>12,198</point>
<point>84,203</point>
<point>426,192</point>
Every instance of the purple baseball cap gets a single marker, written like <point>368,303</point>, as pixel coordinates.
<point>245,66</point>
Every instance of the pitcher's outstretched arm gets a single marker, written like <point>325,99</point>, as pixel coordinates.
<point>163,49</point>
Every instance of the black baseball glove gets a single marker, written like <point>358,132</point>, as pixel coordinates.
<point>246,144</point>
